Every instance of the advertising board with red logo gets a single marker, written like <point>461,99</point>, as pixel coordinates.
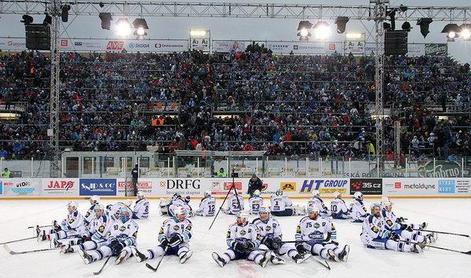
<point>410,186</point>
<point>366,186</point>
<point>126,188</point>
<point>59,187</point>
<point>182,186</point>
<point>21,187</point>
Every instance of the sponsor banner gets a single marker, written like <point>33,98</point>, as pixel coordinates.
<point>415,49</point>
<point>440,169</point>
<point>21,187</point>
<point>305,48</point>
<point>355,47</point>
<point>201,44</point>
<point>1,188</point>
<point>14,44</point>
<point>144,185</point>
<point>463,186</point>
<point>366,186</point>
<point>436,49</point>
<point>324,186</point>
<point>182,186</point>
<point>59,187</point>
<point>102,187</point>
<point>169,45</point>
<point>229,46</point>
<point>119,45</point>
<point>410,186</point>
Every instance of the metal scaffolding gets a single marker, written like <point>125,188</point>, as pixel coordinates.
<point>232,10</point>
<point>375,12</point>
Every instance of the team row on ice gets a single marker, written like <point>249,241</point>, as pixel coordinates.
<point>112,231</point>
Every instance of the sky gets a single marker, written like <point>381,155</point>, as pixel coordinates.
<point>252,29</point>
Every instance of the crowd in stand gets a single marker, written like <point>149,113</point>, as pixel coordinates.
<point>254,100</point>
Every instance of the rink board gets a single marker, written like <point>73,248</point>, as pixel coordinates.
<point>70,188</point>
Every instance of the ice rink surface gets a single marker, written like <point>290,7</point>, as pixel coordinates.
<point>441,214</point>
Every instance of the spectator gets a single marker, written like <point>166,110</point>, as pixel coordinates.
<point>6,173</point>
<point>135,177</point>
<point>221,173</point>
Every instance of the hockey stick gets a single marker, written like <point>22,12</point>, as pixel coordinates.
<point>219,210</point>
<point>451,250</point>
<point>160,261</point>
<point>43,226</point>
<point>445,233</point>
<point>17,240</point>
<point>27,251</point>
<point>324,263</point>
<point>102,267</point>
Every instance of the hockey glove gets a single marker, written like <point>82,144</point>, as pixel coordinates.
<point>394,237</point>
<point>277,243</point>
<point>300,248</point>
<point>239,247</point>
<point>164,243</point>
<point>249,246</point>
<point>175,240</point>
<point>400,219</point>
<point>116,247</point>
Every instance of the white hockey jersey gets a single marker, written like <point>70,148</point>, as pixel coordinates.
<point>207,206</point>
<point>75,222</point>
<point>270,227</point>
<point>172,226</point>
<point>358,211</point>
<point>373,228</point>
<point>318,203</point>
<point>245,232</point>
<point>233,204</point>
<point>338,206</point>
<point>255,203</point>
<point>125,232</point>
<point>390,220</point>
<point>280,203</point>
<point>114,209</point>
<point>100,228</point>
<point>90,214</point>
<point>141,209</point>
<point>315,230</point>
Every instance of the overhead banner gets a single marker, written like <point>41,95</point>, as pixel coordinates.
<point>229,46</point>
<point>304,48</point>
<point>165,46</point>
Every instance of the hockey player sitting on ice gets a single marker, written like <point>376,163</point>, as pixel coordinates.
<point>282,206</point>
<point>99,229</point>
<point>243,241</point>
<point>317,202</point>
<point>90,214</point>
<point>235,204</point>
<point>178,201</point>
<point>255,202</point>
<point>317,235</point>
<point>141,207</point>
<point>73,227</point>
<point>404,231</point>
<point>122,233</point>
<point>207,205</point>
<point>358,210</point>
<point>338,208</point>
<point>174,239</point>
<point>269,230</point>
<point>375,234</point>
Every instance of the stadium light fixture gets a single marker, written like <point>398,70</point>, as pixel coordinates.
<point>354,36</point>
<point>26,19</point>
<point>123,28</point>
<point>105,20</point>
<point>406,26</point>
<point>424,23</point>
<point>452,30</point>
<point>341,23</point>
<point>65,13</point>
<point>304,30</point>
<point>465,33</point>
<point>140,26</point>
<point>403,8</point>
<point>321,30</point>
<point>198,33</point>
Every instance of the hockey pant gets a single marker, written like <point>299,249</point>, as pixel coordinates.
<point>321,248</point>
<point>201,212</point>
<point>285,249</point>
<point>388,244</point>
<point>286,212</point>
<point>105,251</point>
<point>414,236</point>
<point>340,215</point>
<point>158,251</point>
<point>89,245</point>
<point>232,255</point>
